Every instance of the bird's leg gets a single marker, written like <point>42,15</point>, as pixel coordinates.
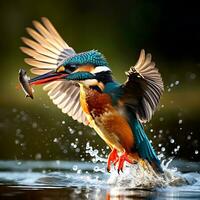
<point>112,158</point>
<point>122,159</point>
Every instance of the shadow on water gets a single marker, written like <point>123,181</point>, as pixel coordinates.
<point>80,180</point>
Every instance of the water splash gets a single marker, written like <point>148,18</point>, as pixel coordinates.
<point>135,176</point>
<point>94,153</point>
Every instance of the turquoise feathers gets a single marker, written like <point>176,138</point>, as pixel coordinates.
<point>143,145</point>
<point>114,90</point>
<point>92,57</point>
<point>80,76</point>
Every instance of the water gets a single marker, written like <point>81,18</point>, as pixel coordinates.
<point>85,180</point>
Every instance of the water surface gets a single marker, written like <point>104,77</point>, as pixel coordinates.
<point>85,180</point>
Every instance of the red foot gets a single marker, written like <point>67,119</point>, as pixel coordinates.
<point>122,159</point>
<point>112,158</point>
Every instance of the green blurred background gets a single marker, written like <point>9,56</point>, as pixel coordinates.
<point>170,30</point>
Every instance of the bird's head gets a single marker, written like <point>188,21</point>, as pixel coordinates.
<point>88,68</point>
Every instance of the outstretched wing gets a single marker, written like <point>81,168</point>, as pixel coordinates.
<point>143,87</point>
<point>47,51</point>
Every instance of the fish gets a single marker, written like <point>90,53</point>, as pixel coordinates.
<point>24,83</point>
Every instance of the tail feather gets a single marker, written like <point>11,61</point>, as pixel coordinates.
<point>145,148</point>
<point>143,145</point>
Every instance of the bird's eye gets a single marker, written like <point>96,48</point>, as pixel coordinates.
<point>71,67</point>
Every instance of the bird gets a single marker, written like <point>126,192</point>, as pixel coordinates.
<point>83,87</point>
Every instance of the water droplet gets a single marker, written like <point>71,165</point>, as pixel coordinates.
<point>176,82</point>
<point>189,137</point>
<point>171,85</point>
<point>19,163</point>
<point>163,149</point>
<point>96,168</point>
<point>75,167</point>
<point>196,152</point>
<point>16,141</point>
<point>55,140</point>
<point>159,145</point>
<point>151,130</point>
<point>172,141</point>
<point>63,122</point>
<point>38,156</point>
<point>72,144</point>
<point>80,133</point>
<point>71,130</point>
<point>57,162</point>
<point>180,121</point>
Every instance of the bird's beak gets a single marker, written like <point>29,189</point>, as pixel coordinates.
<point>48,77</point>
<point>27,83</point>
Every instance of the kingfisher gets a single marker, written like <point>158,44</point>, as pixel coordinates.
<point>83,87</point>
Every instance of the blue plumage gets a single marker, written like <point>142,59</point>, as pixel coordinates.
<point>113,89</point>
<point>142,144</point>
<point>80,76</point>
<point>92,57</point>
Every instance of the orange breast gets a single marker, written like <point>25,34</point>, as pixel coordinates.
<point>114,127</point>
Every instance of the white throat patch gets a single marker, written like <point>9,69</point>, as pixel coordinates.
<point>100,69</point>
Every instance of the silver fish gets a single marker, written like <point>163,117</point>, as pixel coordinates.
<point>24,82</point>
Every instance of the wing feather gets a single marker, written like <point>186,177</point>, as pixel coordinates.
<point>38,56</point>
<point>143,87</point>
<point>41,29</point>
<point>40,49</point>
<point>53,31</point>
<point>47,51</point>
<point>43,41</point>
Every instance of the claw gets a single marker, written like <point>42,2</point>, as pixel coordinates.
<point>122,159</point>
